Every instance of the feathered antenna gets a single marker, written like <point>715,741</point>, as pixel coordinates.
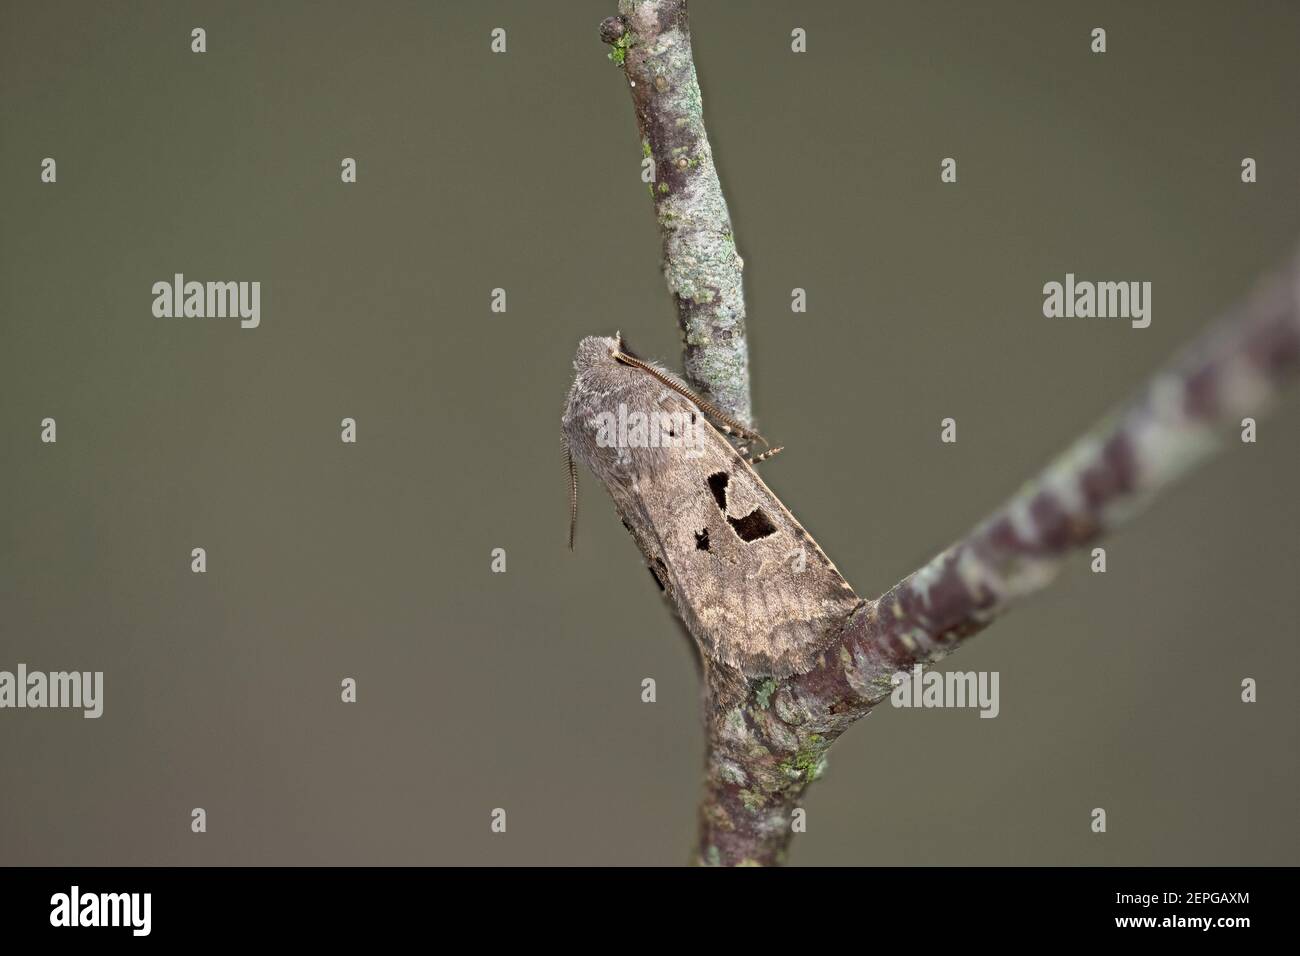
<point>573,490</point>
<point>725,421</point>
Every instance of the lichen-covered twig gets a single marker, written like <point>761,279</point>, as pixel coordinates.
<point>651,41</point>
<point>768,740</point>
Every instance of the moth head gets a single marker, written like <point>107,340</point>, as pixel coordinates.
<point>595,351</point>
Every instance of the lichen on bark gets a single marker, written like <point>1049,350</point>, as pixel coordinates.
<point>701,265</point>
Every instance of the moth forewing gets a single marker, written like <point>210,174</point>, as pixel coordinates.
<point>754,589</point>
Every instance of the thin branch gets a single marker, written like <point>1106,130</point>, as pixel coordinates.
<point>768,741</point>
<point>652,42</point>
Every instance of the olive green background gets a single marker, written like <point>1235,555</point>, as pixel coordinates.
<point>522,690</point>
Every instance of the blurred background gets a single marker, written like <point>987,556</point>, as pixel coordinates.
<point>521,171</point>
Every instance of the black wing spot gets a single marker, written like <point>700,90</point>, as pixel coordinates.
<point>702,540</point>
<point>753,526</point>
<point>718,485</point>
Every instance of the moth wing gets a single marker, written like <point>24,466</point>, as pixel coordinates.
<point>752,585</point>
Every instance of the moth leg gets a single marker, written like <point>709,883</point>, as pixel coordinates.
<point>766,455</point>
<point>744,437</point>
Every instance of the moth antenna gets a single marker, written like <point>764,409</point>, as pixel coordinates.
<point>573,491</point>
<point>767,454</point>
<point>726,422</point>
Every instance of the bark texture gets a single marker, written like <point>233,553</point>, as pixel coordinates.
<point>651,41</point>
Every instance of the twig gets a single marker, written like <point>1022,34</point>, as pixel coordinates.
<point>652,42</point>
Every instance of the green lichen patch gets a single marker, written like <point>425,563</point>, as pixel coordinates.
<point>619,48</point>
<point>809,763</point>
<point>764,691</point>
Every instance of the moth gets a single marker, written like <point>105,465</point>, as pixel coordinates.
<point>753,587</point>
